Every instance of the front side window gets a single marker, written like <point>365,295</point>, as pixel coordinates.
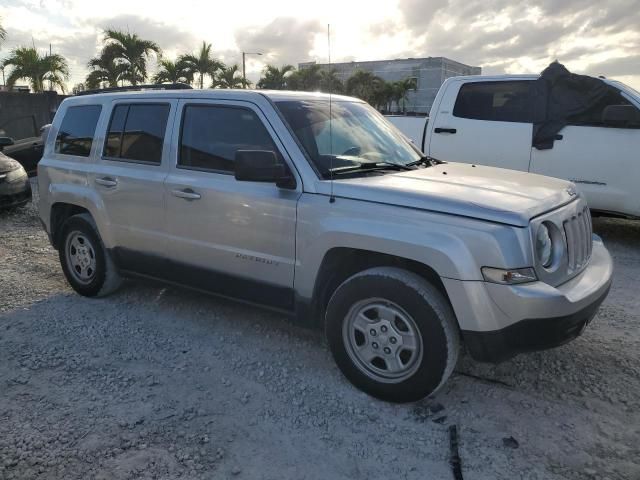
<point>211,136</point>
<point>77,130</point>
<point>593,117</point>
<point>136,132</point>
<point>356,135</point>
<point>495,101</point>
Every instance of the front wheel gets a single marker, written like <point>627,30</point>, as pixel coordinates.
<point>392,333</point>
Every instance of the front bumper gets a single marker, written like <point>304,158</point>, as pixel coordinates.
<point>15,193</point>
<point>500,321</point>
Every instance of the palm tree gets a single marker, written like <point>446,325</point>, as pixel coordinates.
<point>107,68</point>
<point>275,78</point>
<point>400,90</point>
<point>202,63</point>
<point>229,77</point>
<point>28,64</point>
<point>306,79</point>
<point>363,84</point>
<point>133,52</point>
<point>383,95</point>
<point>3,33</point>
<point>330,82</point>
<point>173,72</point>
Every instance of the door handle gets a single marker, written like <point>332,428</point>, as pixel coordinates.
<point>187,194</point>
<point>106,181</point>
<point>444,130</point>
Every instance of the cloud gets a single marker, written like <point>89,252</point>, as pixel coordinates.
<point>616,67</point>
<point>283,40</point>
<point>515,35</point>
<point>167,36</point>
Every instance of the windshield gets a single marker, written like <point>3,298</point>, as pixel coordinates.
<point>359,135</point>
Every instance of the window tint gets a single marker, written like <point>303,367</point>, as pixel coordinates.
<point>495,101</point>
<point>593,116</point>
<point>77,130</point>
<point>212,135</point>
<point>136,132</point>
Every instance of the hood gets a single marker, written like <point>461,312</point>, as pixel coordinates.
<point>487,193</point>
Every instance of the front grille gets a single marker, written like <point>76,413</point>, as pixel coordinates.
<point>578,229</point>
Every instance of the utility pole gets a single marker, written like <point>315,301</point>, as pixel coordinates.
<point>244,72</point>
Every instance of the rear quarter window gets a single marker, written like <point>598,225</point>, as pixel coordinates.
<point>77,130</point>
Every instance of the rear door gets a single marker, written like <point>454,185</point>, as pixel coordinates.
<point>233,238</point>
<point>602,160</point>
<point>484,122</point>
<point>129,178</point>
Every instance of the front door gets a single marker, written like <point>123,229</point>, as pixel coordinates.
<point>603,161</point>
<point>233,238</point>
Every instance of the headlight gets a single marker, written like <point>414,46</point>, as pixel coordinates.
<point>544,246</point>
<point>509,276</point>
<point>16,174</point>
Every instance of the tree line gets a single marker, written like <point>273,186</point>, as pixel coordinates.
<point>124,57</point>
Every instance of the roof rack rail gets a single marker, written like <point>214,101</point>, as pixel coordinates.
<point>156,86</point>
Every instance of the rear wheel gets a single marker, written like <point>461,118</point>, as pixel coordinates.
<point>392,334</point>
<point>84,260</point>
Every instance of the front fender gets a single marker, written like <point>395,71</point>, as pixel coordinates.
<point>454,247</point>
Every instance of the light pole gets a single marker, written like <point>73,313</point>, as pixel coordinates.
<point>244,74</point>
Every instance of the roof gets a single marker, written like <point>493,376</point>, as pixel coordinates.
<point>529,76</point>
<point>219,93</point>
<point>491,78</point>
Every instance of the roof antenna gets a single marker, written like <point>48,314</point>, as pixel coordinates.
<point>332,199</point>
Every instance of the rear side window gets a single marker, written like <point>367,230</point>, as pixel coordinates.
<point>211,136</point>
<point>77,130</point>
<point>136,132</point>
<point>495,101</point>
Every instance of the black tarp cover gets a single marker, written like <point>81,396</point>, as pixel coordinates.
<point>559,94</point>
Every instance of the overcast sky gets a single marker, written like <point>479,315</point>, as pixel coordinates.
<point>600,37</point>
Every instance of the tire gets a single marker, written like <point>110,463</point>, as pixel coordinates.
<point>91,272</point>
<point>390,303</point>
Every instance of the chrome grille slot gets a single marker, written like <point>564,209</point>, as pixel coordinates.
<point>577,230</point>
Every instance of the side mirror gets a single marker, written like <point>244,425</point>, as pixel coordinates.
<point>5,142</point>
<point>262,166</point>
<point>621,116</point>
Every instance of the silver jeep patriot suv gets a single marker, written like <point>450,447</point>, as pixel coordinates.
<point>317,207</point>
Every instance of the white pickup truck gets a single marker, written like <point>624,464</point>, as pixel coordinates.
<point>491,120</point>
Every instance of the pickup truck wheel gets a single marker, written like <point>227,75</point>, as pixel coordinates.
<point>392,334</point>
<point>85,262</point>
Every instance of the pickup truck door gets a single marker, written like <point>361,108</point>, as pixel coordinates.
<point>483,122</point>
<point>230,237</point>
<point>603,161</point>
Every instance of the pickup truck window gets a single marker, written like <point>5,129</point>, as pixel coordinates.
<point>593,116</point>
<point>211,135</point>
<point>357,135</point>
<point>77,130</point>
<point>495,101</point>
<point>136,132</point>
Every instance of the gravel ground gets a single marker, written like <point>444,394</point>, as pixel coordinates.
<point>158,382</point>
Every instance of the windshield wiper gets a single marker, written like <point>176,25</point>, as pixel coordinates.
<point>426,161</point>
<point>370,166</point>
